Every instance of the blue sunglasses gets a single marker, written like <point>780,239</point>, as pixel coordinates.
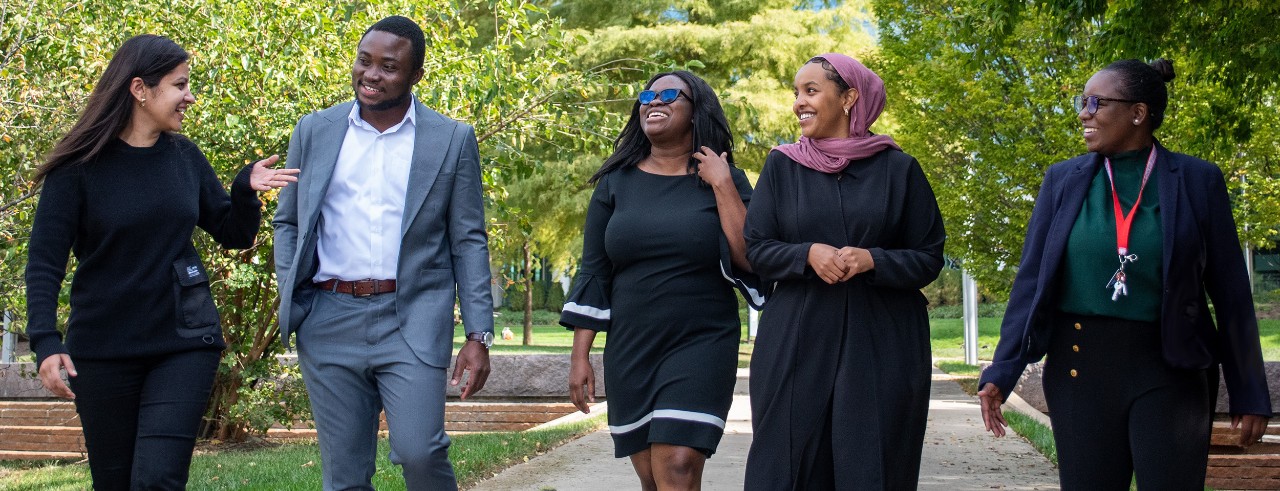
<point>667,96</point>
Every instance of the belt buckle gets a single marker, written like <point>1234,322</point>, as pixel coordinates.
<point>356,290</point>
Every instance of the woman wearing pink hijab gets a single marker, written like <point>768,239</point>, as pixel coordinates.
<point>847,226</point>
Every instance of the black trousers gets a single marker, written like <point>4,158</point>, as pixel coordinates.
<point>1119,411</point>
<point>140,417</point>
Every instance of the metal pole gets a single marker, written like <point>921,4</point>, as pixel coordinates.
<point>1248,249</point>
<point>1248,264</point>
<point>970,291</point>
<point>7,341</point>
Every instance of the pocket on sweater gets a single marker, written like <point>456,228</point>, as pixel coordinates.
<point>194,301</point>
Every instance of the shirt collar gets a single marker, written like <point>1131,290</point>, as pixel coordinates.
<point>411,116</point>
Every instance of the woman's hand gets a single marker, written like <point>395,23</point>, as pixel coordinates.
<point>582,384</point>
<point>712,168</point>
<point>991,399</point>
<point>825,260</point>
<point>857,260</point>
<point>263,177</point>
<point>582,378</point>
<point>51,375</point>
<point>1252,427</point>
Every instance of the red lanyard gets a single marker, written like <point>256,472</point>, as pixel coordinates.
<point>1123,222</point>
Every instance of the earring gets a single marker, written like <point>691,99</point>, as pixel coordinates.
<point>1137,122</point>
<point>846,111</point>
<point>143,103</point>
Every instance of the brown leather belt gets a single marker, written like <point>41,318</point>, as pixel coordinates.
<point>358,288</point>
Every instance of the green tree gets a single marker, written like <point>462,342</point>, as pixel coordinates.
<point>980,94</point>
<point>747,49</point>
<point>1235,42</point>
<point>543,214</point>
<point>749,56</point>
<point>257,68</point>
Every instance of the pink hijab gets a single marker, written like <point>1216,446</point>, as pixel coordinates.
<point>832,155</point>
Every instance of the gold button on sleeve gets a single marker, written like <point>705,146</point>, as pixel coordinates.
<point>1074,373</point>
<point>1075,347</point>
<point>1078,326</point>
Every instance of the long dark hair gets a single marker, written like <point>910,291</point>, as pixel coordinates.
<point>110,106</point>
<point>710,128</point>
<point>1145,82</point>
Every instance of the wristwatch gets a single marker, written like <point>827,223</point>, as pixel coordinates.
<point>484,338</point>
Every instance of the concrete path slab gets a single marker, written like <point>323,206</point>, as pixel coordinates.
<point>958,456</point>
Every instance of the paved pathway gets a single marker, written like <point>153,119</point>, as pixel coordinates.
<point>958,456</point>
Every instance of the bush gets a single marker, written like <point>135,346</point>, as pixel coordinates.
<point>545,296</point>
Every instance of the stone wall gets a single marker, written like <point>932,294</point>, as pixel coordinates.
<point>519,376</point>
<point>19,381</point>
<point>511,376</point>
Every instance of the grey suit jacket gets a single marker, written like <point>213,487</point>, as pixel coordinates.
<point>444,252</point>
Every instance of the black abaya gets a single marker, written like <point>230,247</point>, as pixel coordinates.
<point>840,374</point>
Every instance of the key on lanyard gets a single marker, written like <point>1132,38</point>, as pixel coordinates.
<point>1117,282</point>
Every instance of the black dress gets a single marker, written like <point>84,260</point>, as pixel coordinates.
<point>655,274</point>
<point>840,374</point>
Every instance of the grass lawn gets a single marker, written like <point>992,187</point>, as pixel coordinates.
<point>947,337</point>
<point>549,337</point>
<point>296,465</point>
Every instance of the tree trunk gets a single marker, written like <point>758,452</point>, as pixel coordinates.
<point>528,294</point>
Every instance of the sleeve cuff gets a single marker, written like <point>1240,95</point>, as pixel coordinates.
<point>240,188</point>
<point>753,289</point>
<point>1004,374</point>
<point>583,316</point>
<point>45,347</point>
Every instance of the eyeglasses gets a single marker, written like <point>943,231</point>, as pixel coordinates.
<point>667,96</point>
<point>1091,102</point>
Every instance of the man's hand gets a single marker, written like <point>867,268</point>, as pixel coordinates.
<point>474,358</point>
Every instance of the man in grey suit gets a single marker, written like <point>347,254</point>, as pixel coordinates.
<point>384,229</point>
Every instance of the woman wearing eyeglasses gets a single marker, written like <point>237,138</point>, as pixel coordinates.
<point>1122,247</point>
<point>662,252</point>
<point>847,225</point>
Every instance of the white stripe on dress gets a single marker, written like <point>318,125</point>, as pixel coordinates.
<point>757,300</point>
<point>669,414</point>
<point>588,311</point>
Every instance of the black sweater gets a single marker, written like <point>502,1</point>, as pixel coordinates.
<point>128,216</point>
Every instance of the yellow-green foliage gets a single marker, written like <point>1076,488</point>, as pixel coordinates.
<point>256,68</point>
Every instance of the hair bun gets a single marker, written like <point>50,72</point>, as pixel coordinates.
<point>1164,67</point>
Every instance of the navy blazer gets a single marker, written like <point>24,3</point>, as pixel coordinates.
<point>1201,255</point>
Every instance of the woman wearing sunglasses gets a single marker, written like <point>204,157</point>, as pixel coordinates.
<point>1122,247</point>
<point>662,252</point>
<point>848,227</point>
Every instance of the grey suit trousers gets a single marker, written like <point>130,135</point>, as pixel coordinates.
<point>356,363</point>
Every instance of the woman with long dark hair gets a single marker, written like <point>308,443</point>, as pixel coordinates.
<point>123,191</point>
<point>662,253</point>
<point>847,226</point>
<point>1123,247</point>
